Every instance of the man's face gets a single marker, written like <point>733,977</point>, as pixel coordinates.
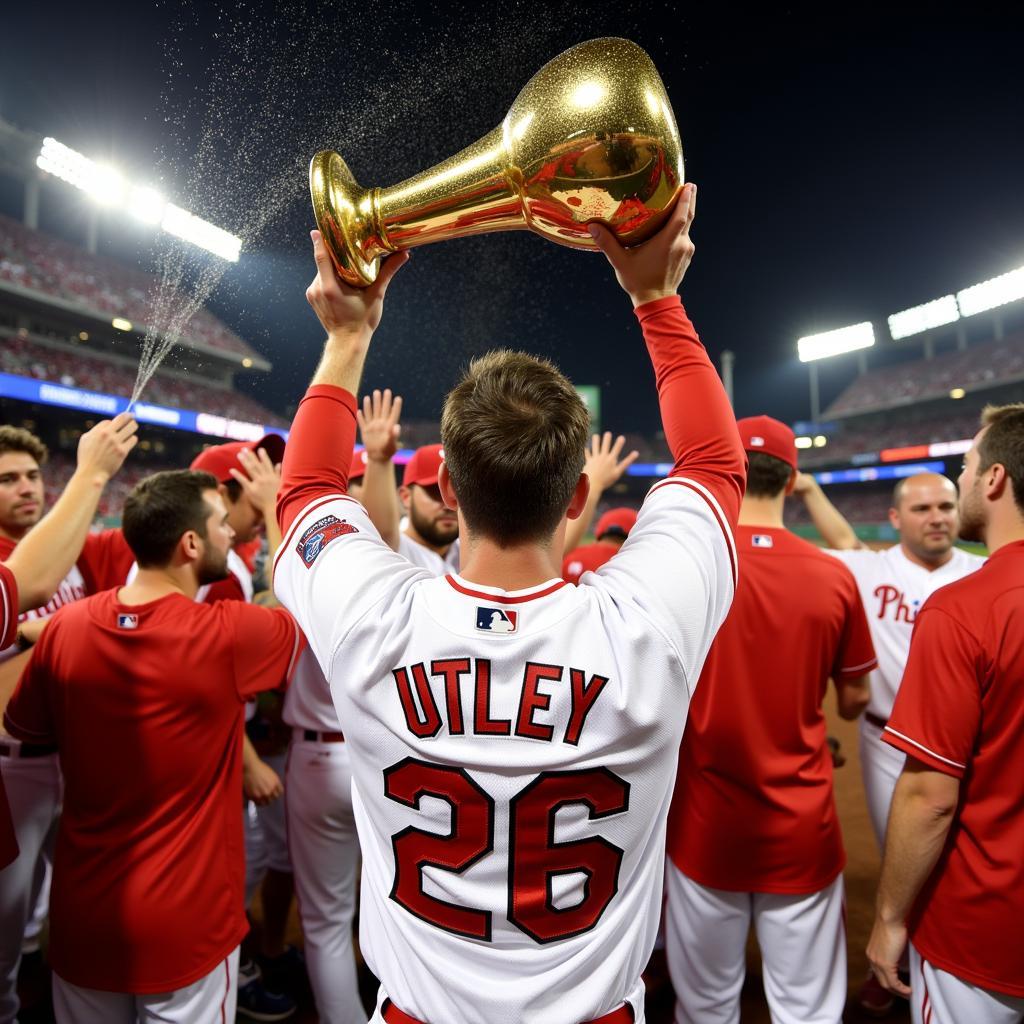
<point>430,517</point>
<point>21,493</point>
<point>972,502</point>
<point>213,564</point>
<point>927,516</point>
<point>245,518</point>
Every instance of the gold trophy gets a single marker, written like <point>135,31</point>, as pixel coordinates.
<point>591,137</point>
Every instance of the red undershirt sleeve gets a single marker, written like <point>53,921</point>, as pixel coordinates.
<point>319,451</point>
<point>699,423</point>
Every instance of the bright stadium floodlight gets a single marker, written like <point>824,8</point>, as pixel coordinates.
<point>995,292</point>
<point>835,343</point>
<point>937,313</point>
<point>803,442</point>
<point>108,186</point>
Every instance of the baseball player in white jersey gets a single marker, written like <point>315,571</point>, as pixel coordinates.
<point>31,773</point>
<point>893,584</point>
<point>510,787</point>
<point>322,838</point>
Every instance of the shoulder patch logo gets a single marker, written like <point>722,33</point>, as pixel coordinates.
<point>496,620</point>
<point>762,540</point>
<point>319,535</point>
<point>127,622</point>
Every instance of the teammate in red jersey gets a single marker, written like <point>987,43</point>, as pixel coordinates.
<point>753,832</point>
<point>141,688</point>
<point>610,534</point>
<point>953,874</point>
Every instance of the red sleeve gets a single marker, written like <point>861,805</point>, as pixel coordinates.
<point>855,655</point>
<point>227,589</point>
<point>8,607</point>
<point>29,716</point>
<point>938,707</point>
<point>319,452</point>
<point>699,423</point>
<point>266,648</point>
<point>105,561</point>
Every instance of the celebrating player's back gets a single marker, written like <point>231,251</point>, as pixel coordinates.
<point>514,738</point>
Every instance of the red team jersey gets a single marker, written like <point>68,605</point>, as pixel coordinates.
<point>960,710</point>
<point>8,631</point>
<point>753,809</point>
<point>148,887</point>
<point>513,753</point>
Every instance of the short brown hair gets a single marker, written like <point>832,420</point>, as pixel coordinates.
<point>18,439</point>
<point>514,432</point>
<point>160,509</point>
<point>1003,442</point>
<point>767,476</point>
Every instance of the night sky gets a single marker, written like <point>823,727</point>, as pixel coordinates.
<point>849,166</point>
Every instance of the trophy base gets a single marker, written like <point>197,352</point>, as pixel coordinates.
<point>344,215</point>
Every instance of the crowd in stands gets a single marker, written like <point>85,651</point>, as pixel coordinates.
<point>988,363</point>
<point>83,369</point>
<point>61,465</point>
<point>59,269</point>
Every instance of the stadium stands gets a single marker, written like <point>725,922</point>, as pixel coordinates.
<point>983,365</point>
<point>57,269</point>
<point>85,369</point>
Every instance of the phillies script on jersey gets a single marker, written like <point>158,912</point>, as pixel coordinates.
<point>514,752</point>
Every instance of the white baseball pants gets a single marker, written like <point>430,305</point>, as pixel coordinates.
<point>324,850</point>
<point>210,1000</point>
<point>880,768</point>
<point>938,997</point>
<point>266,835</point>
<point>803,950</point>
<point>34,790</point>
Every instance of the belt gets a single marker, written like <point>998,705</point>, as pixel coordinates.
<point>875,720</point>
<point>312,736</point>
<point>393,1015</point>
<point>27,749</point>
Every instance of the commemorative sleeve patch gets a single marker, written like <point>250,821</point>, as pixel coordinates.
<point>319,535</point>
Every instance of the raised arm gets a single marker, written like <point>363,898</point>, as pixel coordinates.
<point>828,520</point>
<point>699,423</point>
<point>323,434</point>
<point>50,548</point>
<point>604,467</point>
<point>379,427</point>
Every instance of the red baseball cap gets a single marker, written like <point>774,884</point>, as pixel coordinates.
<point>617,521</point>
<point>423,467</point>
<point>358,465</point>
<point>220,459</point>
<point>764,434</point>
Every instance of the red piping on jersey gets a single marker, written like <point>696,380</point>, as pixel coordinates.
<point>300,519</point>
<point>697,489</point>
<point>505,600</point>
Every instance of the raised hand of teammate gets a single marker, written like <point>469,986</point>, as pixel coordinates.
<point>103,449</point>
<point>379,425</point>
<point>342,309</point>
<point>602,463</point>
<point>654,269</point>
<point>263,481</point>
<point>260,782</point>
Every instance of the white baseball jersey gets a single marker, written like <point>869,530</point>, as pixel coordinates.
<point>893,588</point>
<point>307,701</point>
<point>513,754</point>
<point>427,558</point>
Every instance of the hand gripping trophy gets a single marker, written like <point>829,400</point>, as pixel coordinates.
<point>591,137</point>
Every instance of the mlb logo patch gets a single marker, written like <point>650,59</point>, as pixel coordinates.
<point>496,620</point>
<point>127,622</point>
<point>757,441</point>
<point>319,535</point>
<point>762,540</point>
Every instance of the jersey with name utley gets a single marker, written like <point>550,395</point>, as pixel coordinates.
<point>893,589</point>
<point>513,754</point>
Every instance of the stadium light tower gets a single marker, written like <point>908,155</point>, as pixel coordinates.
<point>107,186</point>
<point>813,347</point>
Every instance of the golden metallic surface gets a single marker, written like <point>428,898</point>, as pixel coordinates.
<point>591,137</point>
